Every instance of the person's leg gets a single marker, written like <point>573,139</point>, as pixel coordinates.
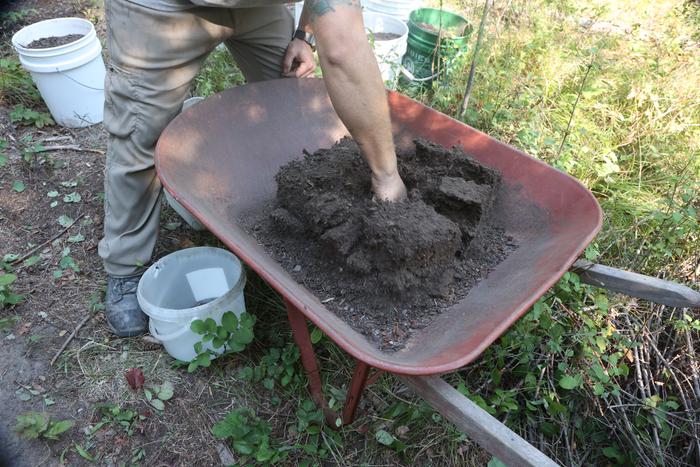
<point>153,58</point>
<point>260,39</point>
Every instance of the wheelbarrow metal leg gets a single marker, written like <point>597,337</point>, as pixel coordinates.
<point>357,385</point>
<point>302,338</point>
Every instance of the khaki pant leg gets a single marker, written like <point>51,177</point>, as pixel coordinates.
<point>260,40</point>
<point>154,56</point>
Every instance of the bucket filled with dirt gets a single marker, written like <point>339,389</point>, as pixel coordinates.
<point>64,58</point>
<point>386,268</point>
<point>388,37</point>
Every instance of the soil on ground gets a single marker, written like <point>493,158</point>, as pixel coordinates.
<point>386,268</point>
<point>53,41</point>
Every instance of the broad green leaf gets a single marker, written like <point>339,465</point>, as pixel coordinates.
<point>316,335</point>
<point>158,404</point>
<point>73,197</point>
<point>52,194</point>
<point>229,321</point>
<point>7,279</point>
<point>18,186</point>
<point>57,428</point>
<point>495,463</point>
<point>569,382</point>
<point>198,327</point>
<point>384,437</point>
<point>65,221</point>
<point>76,238</point>
<point>31,261</point>
<point>166,391</point>
<point>243,447</point>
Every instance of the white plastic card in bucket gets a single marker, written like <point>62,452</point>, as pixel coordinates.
<point>64,57</point>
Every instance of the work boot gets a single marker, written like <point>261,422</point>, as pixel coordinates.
<point>124,315</point>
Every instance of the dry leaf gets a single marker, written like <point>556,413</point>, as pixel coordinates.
<point>135,378</point>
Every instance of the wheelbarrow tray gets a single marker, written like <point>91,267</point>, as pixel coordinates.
<point>219,159</point>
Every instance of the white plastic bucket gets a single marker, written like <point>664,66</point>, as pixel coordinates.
<point>190,284</point>
<point>399,9</point>
<point>388,52</point>
<point>70,77</point>
<point>179,208</point>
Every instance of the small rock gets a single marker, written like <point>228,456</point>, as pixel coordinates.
<point>297,268</point>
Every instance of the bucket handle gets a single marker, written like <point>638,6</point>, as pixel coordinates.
<point>172,335</point>
<point>60,72</point>
<point>412,77</point>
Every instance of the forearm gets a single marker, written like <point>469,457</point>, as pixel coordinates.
<point>354,82</point>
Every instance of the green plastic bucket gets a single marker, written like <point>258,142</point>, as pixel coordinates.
<point>435,39</point>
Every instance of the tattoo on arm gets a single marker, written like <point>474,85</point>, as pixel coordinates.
<point>321,7</point>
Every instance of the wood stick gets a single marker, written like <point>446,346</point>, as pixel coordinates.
<point>486,430</point>
<point>42,245</point>
<point>70,338</point>
<point>477,46</point>
<point>637,285</point>
<point>71,147</point>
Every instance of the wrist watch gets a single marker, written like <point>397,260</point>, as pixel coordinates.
<point>306,37</point>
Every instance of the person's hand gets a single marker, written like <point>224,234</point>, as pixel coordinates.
<point>388,187</point>
<point>298,61</point>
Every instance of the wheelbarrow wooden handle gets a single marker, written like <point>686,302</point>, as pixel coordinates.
<point>637,285</point>
<point>486,430</point>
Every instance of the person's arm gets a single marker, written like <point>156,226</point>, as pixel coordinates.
<point>355,87</point>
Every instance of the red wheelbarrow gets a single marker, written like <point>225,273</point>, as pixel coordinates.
<point>219,158</point>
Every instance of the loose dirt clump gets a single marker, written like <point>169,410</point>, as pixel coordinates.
<point>53,41</point>
<point>386,268</point>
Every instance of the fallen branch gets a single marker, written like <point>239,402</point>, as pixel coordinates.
<point>70,338</point>
<point>42,245</point>
<point>71,147</point>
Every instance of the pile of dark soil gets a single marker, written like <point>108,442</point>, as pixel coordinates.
<point>53,41</point>
<point>386,268</point>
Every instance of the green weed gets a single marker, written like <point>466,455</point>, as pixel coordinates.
<point>231,336</point>
<point>7,296</point>
<point>25,116</point>
<point>33,425</point>
<point>249,436</point>
<point>16,85</point>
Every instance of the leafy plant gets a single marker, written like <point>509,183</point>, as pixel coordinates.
<point>249,436</point>
<point>33,425</point>
<point>25,116</point>
<point>231,336</point>
<point>30,149</point>
<point>7,296</point>
<point>157,394</point>
<point>277,366</point>
<point>115,414</point>
<point>16,85</point>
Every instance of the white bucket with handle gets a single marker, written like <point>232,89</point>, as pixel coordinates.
<point>70,77</point>
<point>190,284</point>
<point>389,40</point>
<point>399,9</point>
